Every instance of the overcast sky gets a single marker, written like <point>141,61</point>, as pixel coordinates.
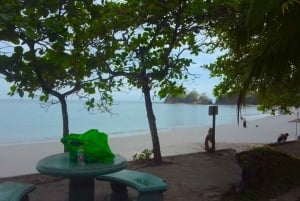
<point>204,84</point>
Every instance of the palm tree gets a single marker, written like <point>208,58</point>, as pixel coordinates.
<point>262,45</point>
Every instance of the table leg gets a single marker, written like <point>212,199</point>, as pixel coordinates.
<point>119,192</point>
<point>81,189</point>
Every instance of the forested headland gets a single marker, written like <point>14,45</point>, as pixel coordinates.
<point>194,97</point>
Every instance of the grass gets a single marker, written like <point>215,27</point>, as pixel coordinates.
<point>266,173</point>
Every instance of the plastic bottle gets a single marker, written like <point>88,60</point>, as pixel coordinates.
<point>80,156</point>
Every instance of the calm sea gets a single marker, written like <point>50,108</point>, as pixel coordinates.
<point>24,121</point>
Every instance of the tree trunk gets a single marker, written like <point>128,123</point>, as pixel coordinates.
<point>152,125</point>
<point>65,118</point>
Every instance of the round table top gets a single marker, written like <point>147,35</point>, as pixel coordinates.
<point>61,165</point>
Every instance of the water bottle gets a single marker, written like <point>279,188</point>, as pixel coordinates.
<point>80,156</point>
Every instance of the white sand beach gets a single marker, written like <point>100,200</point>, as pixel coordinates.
<point>21,159</point>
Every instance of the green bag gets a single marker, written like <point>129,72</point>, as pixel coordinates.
<point>94,143</point>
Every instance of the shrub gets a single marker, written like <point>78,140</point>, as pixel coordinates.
<point>145,155</point>
<point>266,173</point>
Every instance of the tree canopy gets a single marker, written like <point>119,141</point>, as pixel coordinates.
<point>45,50</point>
<point>261,44</point>
<point>58,48</point>
<point>151,51</point>
<point>250,99</point>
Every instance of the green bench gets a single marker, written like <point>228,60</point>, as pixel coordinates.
<point>15,191</point>
<point>150,187</point>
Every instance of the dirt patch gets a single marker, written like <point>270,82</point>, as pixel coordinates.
<point>193,177</point>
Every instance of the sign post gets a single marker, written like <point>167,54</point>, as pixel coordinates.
<point>213,110</point>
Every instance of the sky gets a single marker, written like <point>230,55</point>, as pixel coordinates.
<point>203,84</point>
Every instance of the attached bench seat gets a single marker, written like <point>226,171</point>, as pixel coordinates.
<point>150,187</point>
<point>15,191</point>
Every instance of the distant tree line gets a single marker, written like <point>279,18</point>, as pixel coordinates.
<point>250,99</point>
<point>192,97</point>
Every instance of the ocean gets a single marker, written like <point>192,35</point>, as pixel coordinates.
<point>23,121</point>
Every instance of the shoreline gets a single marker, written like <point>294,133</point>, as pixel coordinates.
<point>45,123</point>
<point>128,133</point>
<point>20,159</point>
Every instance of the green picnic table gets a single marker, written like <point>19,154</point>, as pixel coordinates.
<point>81,177</point>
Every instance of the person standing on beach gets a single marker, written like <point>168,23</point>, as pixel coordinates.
<point>209,140</point>
<point>245,123</point>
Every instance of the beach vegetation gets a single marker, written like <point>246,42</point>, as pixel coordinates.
<point>266,173</point>
<point>46,52</point>
<point>86,48</point>
<point>152,50</point>
<point>259,42</point>
<point>145,155</point>
<point>61,48</point>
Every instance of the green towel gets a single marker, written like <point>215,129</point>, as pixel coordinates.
<point>94,143</point>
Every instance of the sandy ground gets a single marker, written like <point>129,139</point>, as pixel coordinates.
<point>191,175</point>
<point>195,176</point>
<point>20,159</point>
